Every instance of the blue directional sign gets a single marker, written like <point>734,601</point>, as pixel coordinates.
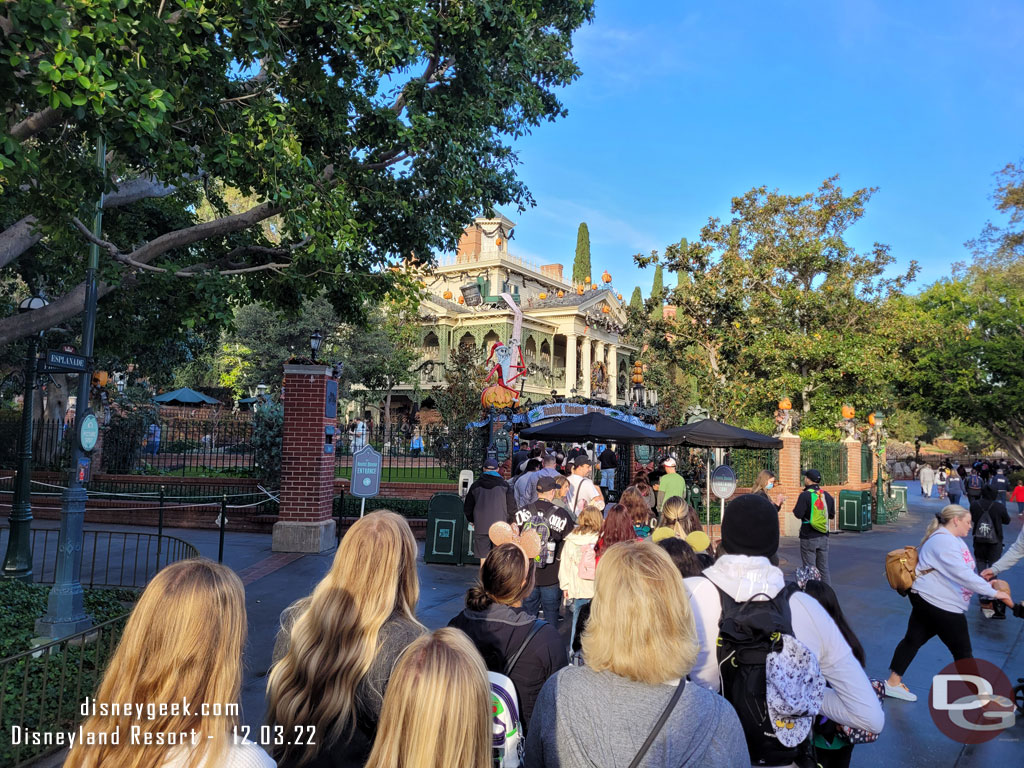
<point>366,464</point>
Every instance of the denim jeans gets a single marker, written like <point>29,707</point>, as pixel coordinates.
<point>815,552</point>
<point>577,606</point>
<point>548,598</point>
<point>608,479</point>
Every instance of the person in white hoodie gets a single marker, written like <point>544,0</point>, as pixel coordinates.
<point>750,536</point>
<point>576,588</point>
<point>942,591</point>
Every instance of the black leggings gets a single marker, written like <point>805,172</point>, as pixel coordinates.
<point>926,621</point>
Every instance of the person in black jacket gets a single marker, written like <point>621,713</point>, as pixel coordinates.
<point>814,543</point>
<point>552,524</point>
<point>489,500</point>
<point>989,512</point>
<point>500,628</point>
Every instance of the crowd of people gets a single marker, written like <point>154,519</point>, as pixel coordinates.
<point>673,651</point>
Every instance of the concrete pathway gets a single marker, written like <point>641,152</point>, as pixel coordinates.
<point>878,615</point>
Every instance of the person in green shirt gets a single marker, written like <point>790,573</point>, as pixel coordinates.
<point>671,483</point>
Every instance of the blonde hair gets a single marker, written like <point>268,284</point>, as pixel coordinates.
<point>677,515</point>
<point>590,520</point>
<point>641,626</point>
<point>335,638</point>
<point>183,640</point>
<point>949,513</point>
<point>436,711</point>
<point>761,483</point>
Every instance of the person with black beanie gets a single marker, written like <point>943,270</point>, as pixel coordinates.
<point>744,572</point>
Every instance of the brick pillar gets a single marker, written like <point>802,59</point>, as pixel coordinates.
<point>305,523</point>
<point>789,484</point>
<point>852,448</point>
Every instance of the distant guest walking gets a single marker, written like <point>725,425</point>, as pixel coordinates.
<point>814,508</point>
<point>490,500</point>
<point>927,477</point>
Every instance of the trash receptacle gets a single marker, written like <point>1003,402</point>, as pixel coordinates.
<point>446,523</point>
<point>855,510</point>
<point>899,495</point>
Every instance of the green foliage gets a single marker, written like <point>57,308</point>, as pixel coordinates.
<point>776,302</point>
<point>636,301</point>
<point>458,402</point>
<point>581,264</point>
<point>267,435</point>
<point>364,132</point>
<point>907,426</point>
<point>818,434</point>
<point>658,295</point>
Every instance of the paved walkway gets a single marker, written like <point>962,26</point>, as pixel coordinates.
<point>877,613</point>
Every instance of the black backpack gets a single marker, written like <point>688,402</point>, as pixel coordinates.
<point>985,528</point>
<point>747,633</point>
<point>974,483</point>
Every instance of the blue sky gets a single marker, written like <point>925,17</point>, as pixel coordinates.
<point>684,105</point>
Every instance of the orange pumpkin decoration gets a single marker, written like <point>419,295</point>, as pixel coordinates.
<point>871,419</point>
<point>785,404</point>
<point>593,287</point>
<point>462,300</point>
<point>497,397</point>
<point>619,297</point>
<point>586,281</point>
<point>605,309</point>
<point>498,242</point>
<point>447,295</point>
<point>580,290</point>
<point>606,277</point>
<point>561,294</point>
<point>848,412</point>
<point>543,296</point>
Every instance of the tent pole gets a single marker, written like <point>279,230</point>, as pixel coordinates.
<point>707,497</point>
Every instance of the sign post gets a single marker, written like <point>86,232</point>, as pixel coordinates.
<point>366,466</point>
<point>723,485</point>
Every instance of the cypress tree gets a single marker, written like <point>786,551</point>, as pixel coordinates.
<point>581,265</point>
<point>658,293</point>
<point>637,301</point>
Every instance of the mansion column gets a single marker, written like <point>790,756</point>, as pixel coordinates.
<point>570,363</point>
<point>613,374</point>
<point>585,365</point>
<point>599,348</point>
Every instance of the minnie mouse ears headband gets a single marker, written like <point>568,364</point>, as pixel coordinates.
<point>528,541</point>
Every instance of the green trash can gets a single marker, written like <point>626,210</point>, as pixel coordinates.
<point>855,510</point>
<point>899,495</point>
<point>446,526</point>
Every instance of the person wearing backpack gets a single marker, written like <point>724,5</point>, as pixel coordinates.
<point>631,704</point>
<point>940,595</point>
<point>579,564</point>
<point>974,483</point>
<point>940,481</point>
<point>954,487</point>
<point>552,524</point>
<point>512,642</point>
<point>814,508</point>
<point>1000,484</point>
<point>744,583</point>
<point>989,517</point>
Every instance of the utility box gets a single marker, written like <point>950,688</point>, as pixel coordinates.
<point>855,510</point>
<point>899,495</point>
<point>446,526</point>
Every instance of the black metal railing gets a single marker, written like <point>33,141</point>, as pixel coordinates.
<point>201,448</point>
<point>866,467</point>
<point>109,558</point>
<point>747,463</point>
<point>826,457</point>
<point>411,453</point>
<point>41,690</point>
<point>51,442</point>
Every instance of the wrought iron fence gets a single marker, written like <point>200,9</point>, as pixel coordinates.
<point>109,558</point>
<point>412,453</point>
<point>41,690</point>
<point>51,443</point>
<point>826,457</point>
<point>349,505</point>
<point>866,468</point>
<point>747,463</point>
<point>172,446</point>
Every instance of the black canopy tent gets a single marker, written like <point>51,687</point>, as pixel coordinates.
<point>598,427</point>
<point>709,434</point>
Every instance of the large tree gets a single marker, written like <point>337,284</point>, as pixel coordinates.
<point>636,301</point>
<point>658,294</point>
<point>367,133</point>
<point>581,264</point>
<point>779,303</point>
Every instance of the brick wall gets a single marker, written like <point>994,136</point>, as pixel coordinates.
<point>307,473</point>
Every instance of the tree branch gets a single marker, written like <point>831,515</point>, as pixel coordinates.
<point>35,123</point>
<point>18,238</point>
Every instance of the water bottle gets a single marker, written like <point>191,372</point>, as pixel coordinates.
<point>550,558</point>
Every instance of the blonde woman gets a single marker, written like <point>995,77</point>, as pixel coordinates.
<point>639,645</point>
<point>436,711</point>
<point>765,482</point>
<point>183,642</point>
<point>577,558</point>
<point>678,519</point>
<point>940,596</point>
<point>337,647</point>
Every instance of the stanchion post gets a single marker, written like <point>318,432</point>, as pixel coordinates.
<point>223,525</point>
<point>160,528</point>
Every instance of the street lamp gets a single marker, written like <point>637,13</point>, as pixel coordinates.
<point>18,558</point>
<point>316,340</point>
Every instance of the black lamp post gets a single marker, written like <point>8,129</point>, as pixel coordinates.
<point>316,340</point>
<point>18,559</point>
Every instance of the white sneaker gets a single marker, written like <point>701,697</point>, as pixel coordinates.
<point>899,692</point>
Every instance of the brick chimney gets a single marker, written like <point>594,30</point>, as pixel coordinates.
<point>469,245</point>
<point>553,271</point>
